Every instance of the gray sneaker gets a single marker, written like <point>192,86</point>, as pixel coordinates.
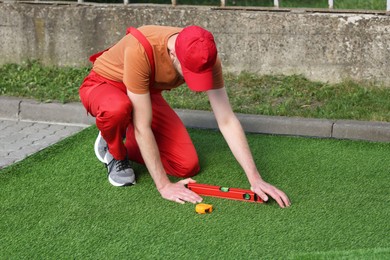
<point>120,172</point>
<point>101,148</point>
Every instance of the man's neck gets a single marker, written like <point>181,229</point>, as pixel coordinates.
<point>171,42</point>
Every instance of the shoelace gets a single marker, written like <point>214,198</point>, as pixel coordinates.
<point>122,165</point>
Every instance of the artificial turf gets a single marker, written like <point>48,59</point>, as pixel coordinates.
<point>58,204</point>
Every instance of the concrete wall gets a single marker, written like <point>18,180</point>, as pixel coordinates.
<point>322,46</point>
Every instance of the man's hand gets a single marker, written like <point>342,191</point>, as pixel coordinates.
<point>262,188</point>
<point>177,192</point>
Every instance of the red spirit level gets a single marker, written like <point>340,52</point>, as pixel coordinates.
<point>224,192</point>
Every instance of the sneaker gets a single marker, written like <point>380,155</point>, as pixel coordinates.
<point>101,148</point>
<point>120,173</point>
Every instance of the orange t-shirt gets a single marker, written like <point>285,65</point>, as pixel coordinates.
<point>128,62</point>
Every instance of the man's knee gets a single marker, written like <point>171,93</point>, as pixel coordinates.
<point>115,112</point>
<point>185,169</point>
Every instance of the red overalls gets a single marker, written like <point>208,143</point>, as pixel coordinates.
<point>109,103</point>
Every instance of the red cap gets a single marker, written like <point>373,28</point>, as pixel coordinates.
<point>196,51</point>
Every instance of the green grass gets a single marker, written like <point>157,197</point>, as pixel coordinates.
<point>294,96</point>
<point>58,204</point>
<point>275,95</point>
<point>338,4</point>
<point>31,79</point>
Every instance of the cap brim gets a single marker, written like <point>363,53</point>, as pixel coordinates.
<point>198,81</point>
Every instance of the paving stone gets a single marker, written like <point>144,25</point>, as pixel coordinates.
<point>13,128</point>
<point>20,139</point>
<point>6,123</point>
<point>5,161</point>
<point>4,152</point>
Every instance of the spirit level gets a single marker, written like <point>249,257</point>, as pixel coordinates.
<point>224,192</point>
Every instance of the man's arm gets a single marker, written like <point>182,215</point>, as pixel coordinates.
<point>235,137</point>
<point>142,120</point>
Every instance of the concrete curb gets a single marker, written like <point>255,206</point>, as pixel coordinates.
<point>74,113</point>
<point>32,110</point>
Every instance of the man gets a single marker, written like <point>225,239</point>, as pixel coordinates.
<point>119,94</point>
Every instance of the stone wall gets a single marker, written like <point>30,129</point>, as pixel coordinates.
<point>320,45</point>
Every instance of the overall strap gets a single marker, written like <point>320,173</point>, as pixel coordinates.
<point>148,49</point>
<point>145,43</point>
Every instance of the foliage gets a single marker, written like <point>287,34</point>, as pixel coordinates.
<point>338,4</point>
<point>249,93</point>
<point>33,80</point>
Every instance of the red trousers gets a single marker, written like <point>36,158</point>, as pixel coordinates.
<point>108,102</point>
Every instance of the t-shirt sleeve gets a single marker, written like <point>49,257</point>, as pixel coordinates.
<point>218,75</point>
<point>136,70</point>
